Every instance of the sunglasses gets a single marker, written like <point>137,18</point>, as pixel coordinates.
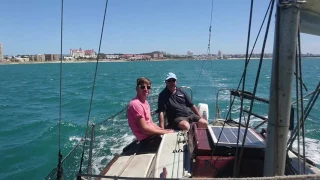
<point>171,80</point>
<point>144,87</point>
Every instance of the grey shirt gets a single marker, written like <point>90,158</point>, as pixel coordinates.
<point>175,105</point>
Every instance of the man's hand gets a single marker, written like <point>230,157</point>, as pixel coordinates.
<point>170,130</point>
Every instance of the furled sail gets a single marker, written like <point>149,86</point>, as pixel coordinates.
<point>310,17</point>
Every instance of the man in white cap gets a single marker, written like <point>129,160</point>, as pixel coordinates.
<point>177,104</point>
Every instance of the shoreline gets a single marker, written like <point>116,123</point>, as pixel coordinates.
<point>87,61</point>
<point>123,60</point>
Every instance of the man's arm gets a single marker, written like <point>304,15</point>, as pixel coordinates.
<point>156,126</point>
<point>190,104</point>
<point>161,119</point>
<point>161,109</point>
<point>195,110</point>
<point>149,130</point>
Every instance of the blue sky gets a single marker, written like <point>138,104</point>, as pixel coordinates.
<point>133,26</point>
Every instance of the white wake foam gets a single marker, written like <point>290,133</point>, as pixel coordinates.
<point>312,149</point>
<point>114,143</point>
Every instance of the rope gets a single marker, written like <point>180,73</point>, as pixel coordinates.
<point>94,81</point>
<point>255,86</point>
<point>178,156</point>
<point>150,98</point>
<point>59,174</point>
<point>174,157</point>
<point>128,162</point>
<point>111,117</point>
<point>181,149</point>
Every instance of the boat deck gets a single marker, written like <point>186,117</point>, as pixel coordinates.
<point>193,154</point>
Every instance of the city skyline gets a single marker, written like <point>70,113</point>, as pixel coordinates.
<point>90,55</point>
<point>189,53</point>
<point>135,27</point>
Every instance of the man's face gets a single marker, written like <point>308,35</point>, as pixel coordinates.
<point>171,84</point>
<point>143,89</point>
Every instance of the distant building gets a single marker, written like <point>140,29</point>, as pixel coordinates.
<point>32,58</point>
<point>139,57</point>
<point>20,59</point>
<point>89,53</point>
<point>51,57</point>
<point>155,55</point>
<point>75,53</point>
<point>127,56</point>
<point>102,56</point>
<point>1,53</point>
<point>220,55</point>
<point>39,57</point>
<point>68,58</point>
<point>111,56</point>
<point>79,53</point>
<point>189,53</point>
<point>160,55</point>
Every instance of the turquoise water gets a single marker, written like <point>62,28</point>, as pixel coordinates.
<point>29,104</point>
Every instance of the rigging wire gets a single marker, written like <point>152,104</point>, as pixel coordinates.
<point>209,43</point>
<point>305,87</point>
<point>276,75</point>
<point>93,85</point>
<point>60,170</point>
<point>301,104</point>
<point>303,111</point>
<point>297,96</point>
<point>235,169</point>
<point>246,65</point>
<point>306,112</point>
<point>255,85</point>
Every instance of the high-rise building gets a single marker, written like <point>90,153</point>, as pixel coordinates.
<point>220,55</point>
<point>189,53</point>
<point>1,53</point>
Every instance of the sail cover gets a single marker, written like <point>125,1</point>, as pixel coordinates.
<point>310,17</point>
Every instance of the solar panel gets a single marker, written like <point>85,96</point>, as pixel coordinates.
<point>229,137</point>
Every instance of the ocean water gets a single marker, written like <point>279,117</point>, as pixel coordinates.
<point>29,105</point>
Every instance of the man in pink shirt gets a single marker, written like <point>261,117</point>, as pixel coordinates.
<point>139,115</point>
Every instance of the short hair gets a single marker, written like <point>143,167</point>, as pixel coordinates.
<point>143,80</point>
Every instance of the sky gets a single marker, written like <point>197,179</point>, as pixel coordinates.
<point>135,26</point>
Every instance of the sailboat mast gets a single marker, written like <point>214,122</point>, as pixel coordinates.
<point>284,54</point>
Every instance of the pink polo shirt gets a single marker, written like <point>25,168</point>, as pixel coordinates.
<point>142,110</point>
